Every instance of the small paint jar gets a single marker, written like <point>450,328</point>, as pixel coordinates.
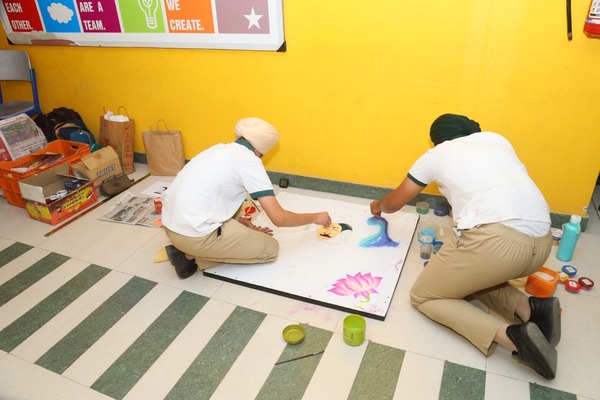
<point>542,283</point>
<point>569,270</point>
<point>354,330</point>
<point>556,236</point>
<point>572,286</point>
<point>158,205</point>
<point>437,246</point>
<point>425,251</point>
<point>422,207</point>
<point>440,211</point>
<point>427,233</point>
<point>586,283</point>
<point>562,277</point>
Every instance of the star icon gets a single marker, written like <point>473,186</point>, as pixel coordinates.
<point>253,19</point>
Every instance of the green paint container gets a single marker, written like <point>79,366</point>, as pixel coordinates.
<point>354,330</point>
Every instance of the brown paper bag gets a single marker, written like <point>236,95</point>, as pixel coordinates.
<point>164,150</point>
<point>119,136</point>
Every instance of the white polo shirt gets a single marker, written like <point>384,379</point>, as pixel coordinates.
<point>485,182</point>
<point>211,187</point>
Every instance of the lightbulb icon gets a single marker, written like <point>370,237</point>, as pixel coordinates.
<point>149,7</point>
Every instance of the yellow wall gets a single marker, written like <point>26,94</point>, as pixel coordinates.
<point>360,84</point>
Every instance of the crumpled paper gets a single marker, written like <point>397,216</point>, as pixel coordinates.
<point>110,116</point>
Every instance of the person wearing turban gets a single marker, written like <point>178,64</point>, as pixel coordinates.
<point>502,225</point>
<point>202,208</point>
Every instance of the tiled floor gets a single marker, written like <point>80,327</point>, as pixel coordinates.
<point>85,313</point>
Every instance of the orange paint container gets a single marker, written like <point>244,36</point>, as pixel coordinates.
<point>542,283</point>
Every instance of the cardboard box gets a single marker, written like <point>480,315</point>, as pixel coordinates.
<point>99,167</point>
<point>38,189</point>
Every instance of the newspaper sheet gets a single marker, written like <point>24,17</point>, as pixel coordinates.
<point>19,137</point>
<point>133,210</point>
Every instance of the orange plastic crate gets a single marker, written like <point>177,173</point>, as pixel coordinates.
<point>9,179</point>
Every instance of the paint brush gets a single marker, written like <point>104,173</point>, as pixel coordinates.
<point>298,358</point>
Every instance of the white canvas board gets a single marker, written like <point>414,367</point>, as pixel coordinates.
<point>343,272</point>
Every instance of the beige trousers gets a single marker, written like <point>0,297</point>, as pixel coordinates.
<point>478,264</point>
<point>233,243</point>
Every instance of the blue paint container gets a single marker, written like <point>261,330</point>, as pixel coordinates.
<point>427,233</point>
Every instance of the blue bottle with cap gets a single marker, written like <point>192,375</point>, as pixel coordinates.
<point>571,232</point>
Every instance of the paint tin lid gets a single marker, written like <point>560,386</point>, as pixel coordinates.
<point>293,334</point>
<point>440,211</point>
<point>562,277</point>
<point>569,270</point>
<point>422,207</point>
<point>572,286</point>
<point>586,283</point>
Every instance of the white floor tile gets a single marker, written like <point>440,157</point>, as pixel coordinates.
<point>501,388</point>
<point>420,377</point>
<point>22,380</point>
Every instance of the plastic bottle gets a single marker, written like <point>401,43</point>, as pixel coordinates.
<point>571,232</point>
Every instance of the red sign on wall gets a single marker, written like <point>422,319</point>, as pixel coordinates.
<point>23,16</point>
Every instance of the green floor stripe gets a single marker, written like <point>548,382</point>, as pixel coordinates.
<point>28,277</point>
<point>537,392</point>
<point>83,336</point>
<point>207,371</point>
<point>120,377</point>
<point>378,373</point>
<point>460,383</point>
<point>13,251</point>
<point>15,333</point>
<point>290,380</point>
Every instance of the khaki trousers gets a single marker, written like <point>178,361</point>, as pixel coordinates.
<point>233,243</point>
<point>478,264</point>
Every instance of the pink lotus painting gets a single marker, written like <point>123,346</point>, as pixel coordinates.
<point>357,285</point>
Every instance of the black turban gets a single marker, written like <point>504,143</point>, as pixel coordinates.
<point>452,126</point>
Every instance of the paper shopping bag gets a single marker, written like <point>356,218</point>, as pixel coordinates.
<point>117,132</point>
<point>164,150</point>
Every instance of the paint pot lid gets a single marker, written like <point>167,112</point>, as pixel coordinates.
<point>293,334</point>
<point>569,270</point>
<point>440,211</point>
<point>586,283</point>
<point>562,277</point>
<point>572,286</point>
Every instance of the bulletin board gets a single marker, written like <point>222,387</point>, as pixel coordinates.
<point>208,24</point>
<point>355,269</point>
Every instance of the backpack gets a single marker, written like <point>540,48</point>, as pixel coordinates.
<point>48,122</point>
<point>75,131</point>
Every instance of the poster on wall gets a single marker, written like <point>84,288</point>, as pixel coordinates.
<point>207,24</point>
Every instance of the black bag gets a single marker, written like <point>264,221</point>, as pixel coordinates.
<point>48,122</point>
